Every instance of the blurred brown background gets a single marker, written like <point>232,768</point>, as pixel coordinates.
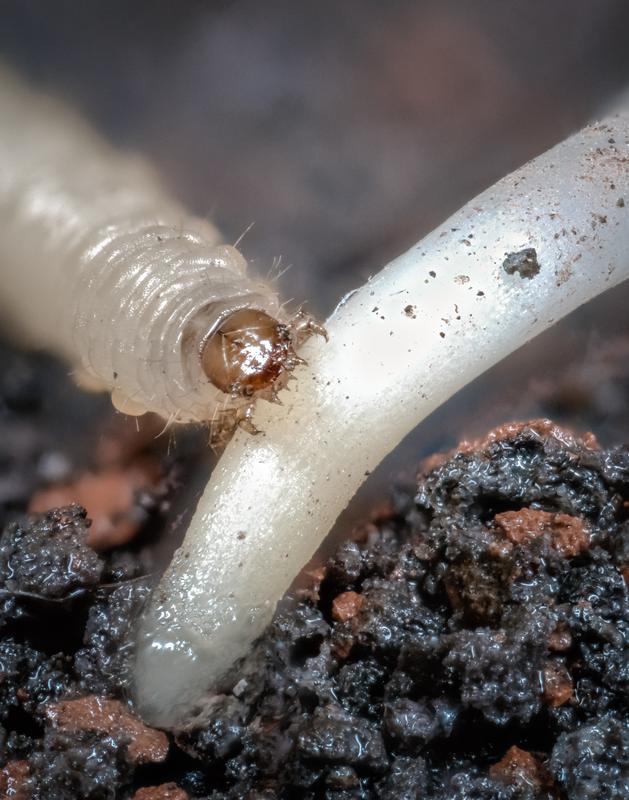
<point>346,130</point>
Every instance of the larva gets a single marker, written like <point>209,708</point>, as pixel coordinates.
<point>102,267</point>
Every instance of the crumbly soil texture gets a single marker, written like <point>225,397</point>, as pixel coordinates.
<point>471,642</point>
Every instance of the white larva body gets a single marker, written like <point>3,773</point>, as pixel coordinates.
<point>103,268</point>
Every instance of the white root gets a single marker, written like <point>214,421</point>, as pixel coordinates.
<point>429,323</point>
<point>103,268</point>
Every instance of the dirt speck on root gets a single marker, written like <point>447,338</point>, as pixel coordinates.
<point>524,262</point>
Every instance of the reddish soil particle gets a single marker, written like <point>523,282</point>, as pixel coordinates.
<point>13,781</point>
<point>110,499</point>
<point>560,639</point>
<point>518,766</point>
<point>568,534</point>
<point>540,428</point>
<point>167,791</point>
<point>111,717</point>
<point>346,605</point>
<point>624,571</point>
<point>558,686</point>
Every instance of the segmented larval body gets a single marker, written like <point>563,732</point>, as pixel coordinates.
<point>102,267</point>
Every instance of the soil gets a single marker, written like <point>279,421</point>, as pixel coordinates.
<point>468,642</point>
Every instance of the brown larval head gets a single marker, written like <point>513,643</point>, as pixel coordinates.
<point>247,353</point>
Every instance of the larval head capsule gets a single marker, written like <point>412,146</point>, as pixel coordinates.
<point>247,353</point>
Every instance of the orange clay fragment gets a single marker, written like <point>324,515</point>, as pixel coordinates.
<point>568,534</point>
<point>92,713</point>
<point>518,766</point>
<point>346,605</point>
